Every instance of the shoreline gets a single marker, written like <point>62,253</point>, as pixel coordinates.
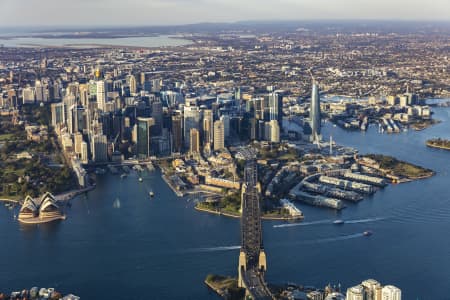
<point>227,214</point>
<point>437,146</point>
<point>37,220</point>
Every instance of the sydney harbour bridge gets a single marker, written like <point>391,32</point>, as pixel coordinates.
<point>252,258</point>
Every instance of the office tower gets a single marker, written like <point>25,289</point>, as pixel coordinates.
<point>258,106</point>
<point>267,133</point>
<point>58,114</point>
<point>191,120</point>
<point>28,96</point>
<point>390,292</point>
<point>403,101</point>
<point>253,129</point>
<point>132,84</point>
<point>219,135</point>
<point>78,139</point>
<point>143,78</point>
<point>84,152</point>
<point>355,293</point>
<point>157,114</point>
<point>143,136</point>
<point>177,133</point>
<point>315,117</point>
<point>372,289</point>
<point>194,136</point>
<point>274,131</point>
<point>99,148</point>
<point>101,95</point>
<point>207,126</point>
<point>75,119</point>
<point>41,92</point>
<point>226,124</point>
<point>276,108</point>
<point>84,95</point>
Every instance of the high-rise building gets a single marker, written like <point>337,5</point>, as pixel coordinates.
<point>276,108</point>
<point>157,114</point>
<point>226,124</point>
<point>84,153</point>
<point>99,148</point>
<point>191,120</point>
<point>314,116</point>
<point>207,126</point>
<point>274,131</point>
<point>194,136</point>
<point>372,289</point>
<point>58,114</point>
<point>28,96</point>
<point>219,135</point>
<point>132,84</point>
<point>177,133</point>
<point>101,95</point>
<point>143,136</point>
<point>355,293</point>
<point>78,139</point>
<point>390,292</point>
<point>41,92</point>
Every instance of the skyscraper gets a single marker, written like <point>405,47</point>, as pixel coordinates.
<point>132,84</point>
<point>191,120</point>
<point>314,115</point>
<point>219,135</point>
<point>195,141</point>
<point>177,133</point>
<point>101,95</point>
<point>99,148</point>
<point>274,131</point>
<point>58,114</point>
<point>207,126</point>
<point>276,108</point>
<point>143,136</point>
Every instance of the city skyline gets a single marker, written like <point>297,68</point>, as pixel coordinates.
<point>180,12</point>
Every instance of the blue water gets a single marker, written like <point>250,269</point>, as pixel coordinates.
<point>147,41</point>
<point>118,243</point>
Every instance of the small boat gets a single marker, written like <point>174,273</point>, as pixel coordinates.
<point>140,179</point>
<point>338,222</point>
<point>151,193</point>
<point>123,175</point>
<point>367,233</point>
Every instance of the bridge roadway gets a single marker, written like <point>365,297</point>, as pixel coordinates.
<point>252,259</point>
<point>256,286</point>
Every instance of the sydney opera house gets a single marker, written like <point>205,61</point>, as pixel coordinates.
<point>46,211</point>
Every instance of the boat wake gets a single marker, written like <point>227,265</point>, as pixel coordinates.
<point>359,221</point>
<point>364,220</point>
<point>214,249</point>
<point>304,223</point>
<point>306,242</point>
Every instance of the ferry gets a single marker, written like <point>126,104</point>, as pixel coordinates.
<point>338,222</point>
<point>367,233</point>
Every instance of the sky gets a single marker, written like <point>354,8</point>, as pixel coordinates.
<point>19,13</point>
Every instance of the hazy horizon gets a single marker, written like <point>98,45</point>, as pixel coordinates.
<point>110,13</point>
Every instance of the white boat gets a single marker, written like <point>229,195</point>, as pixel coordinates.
<point>151,193</point>
<point>338,222</point>
<point>140,179</point>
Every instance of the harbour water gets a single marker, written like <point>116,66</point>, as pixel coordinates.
<point>146,42</point>
<point>119,243</point>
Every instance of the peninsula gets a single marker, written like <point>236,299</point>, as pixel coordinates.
<point>439,143</point>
